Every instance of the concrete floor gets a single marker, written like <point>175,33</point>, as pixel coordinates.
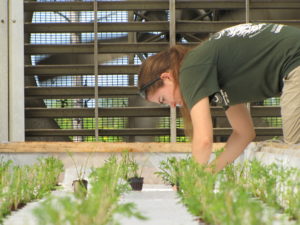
<point>160,204</point>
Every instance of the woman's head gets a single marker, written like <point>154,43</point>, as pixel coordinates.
<point>159,81</point>
<point>161,70</point>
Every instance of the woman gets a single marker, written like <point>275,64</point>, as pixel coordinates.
<point>240,64</point>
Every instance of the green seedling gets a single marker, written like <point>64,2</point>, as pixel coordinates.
<point>20,185</point>
<point>80,171</point>
<point>129,166</point>
<point>169,170</point>
<point>80,184</point>
<point>238,194</point>
<point>274,184</point>
<point>130,171</point>
<point>99,207</point>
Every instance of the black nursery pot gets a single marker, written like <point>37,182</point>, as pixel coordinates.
<point>136,183</point>
<point>80,187</point>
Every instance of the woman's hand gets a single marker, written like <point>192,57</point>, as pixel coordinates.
<point>242,134</point>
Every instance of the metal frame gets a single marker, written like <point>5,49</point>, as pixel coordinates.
<point>266,131</point>
<point>159,26</point>
<point>172,33</point>
<point>96,96</point>
<point>172,27</point>
<point>158,5</point>
<point>256,111</point>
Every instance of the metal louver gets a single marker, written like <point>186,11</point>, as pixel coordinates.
<point>59,66</point>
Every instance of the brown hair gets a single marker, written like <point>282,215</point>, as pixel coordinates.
<point>167,60</point>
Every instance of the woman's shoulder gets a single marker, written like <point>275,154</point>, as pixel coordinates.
<point>205,53</point>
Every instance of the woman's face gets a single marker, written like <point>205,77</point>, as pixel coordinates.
<point>168,94</point>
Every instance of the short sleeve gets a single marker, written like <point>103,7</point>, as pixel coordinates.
<point>198,81</point>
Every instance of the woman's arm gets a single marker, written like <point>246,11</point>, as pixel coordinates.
<point>243,133</point>
<point>202,131</point>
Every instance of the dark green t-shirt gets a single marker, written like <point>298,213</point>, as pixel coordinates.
<point>247,62</point>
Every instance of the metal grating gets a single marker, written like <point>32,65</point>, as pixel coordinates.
<point>59,66</point>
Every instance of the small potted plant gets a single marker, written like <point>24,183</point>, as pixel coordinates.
<point>135,180</point>
<point>130,171</point>
<point>169,172</point>
<point>80,184</point>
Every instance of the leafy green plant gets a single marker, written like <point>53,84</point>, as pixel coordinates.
<point>80,170</point>
<point>238,194</point>
<point>130,171</point>
<point>19,185</point>
<point>4,167</point>
<point>80,184</point>
<point>274,184</point>
<point>46,171</point>
<point>130,168</point>
<point>100,205</point>
<point>169,169</point>
<point>218,201</point>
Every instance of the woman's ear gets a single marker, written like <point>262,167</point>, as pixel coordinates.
<point>166,76</point>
